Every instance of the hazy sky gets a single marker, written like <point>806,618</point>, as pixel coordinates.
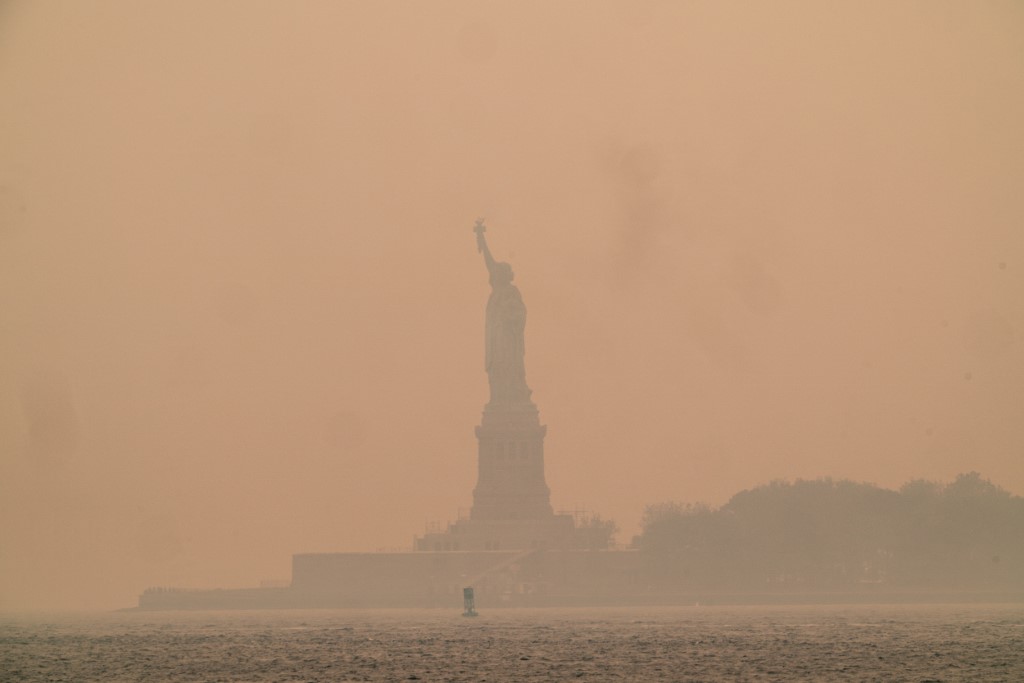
<point>241,307</point>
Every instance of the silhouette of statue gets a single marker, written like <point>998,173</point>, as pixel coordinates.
<point>505,346</point>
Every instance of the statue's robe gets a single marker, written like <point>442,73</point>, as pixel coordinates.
<point>505,345</point>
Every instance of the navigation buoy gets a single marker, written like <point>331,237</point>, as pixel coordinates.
<point>468,602</point>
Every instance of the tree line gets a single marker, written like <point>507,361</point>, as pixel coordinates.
<point>836,535</point>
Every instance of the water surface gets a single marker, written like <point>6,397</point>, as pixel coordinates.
<point>834,643</point>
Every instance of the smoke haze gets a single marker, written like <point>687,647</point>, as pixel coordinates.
<point>241,307</point>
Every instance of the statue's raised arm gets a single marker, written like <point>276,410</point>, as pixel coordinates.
<point>481,244</point>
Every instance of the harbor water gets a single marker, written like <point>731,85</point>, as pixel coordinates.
<point>698,643</point>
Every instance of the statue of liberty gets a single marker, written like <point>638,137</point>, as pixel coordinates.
<point>504,343</point>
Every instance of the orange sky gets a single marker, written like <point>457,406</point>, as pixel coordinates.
<point>241,307</point>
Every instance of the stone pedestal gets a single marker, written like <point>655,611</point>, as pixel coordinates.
<point>511,502</point>
<point>510,466</point>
